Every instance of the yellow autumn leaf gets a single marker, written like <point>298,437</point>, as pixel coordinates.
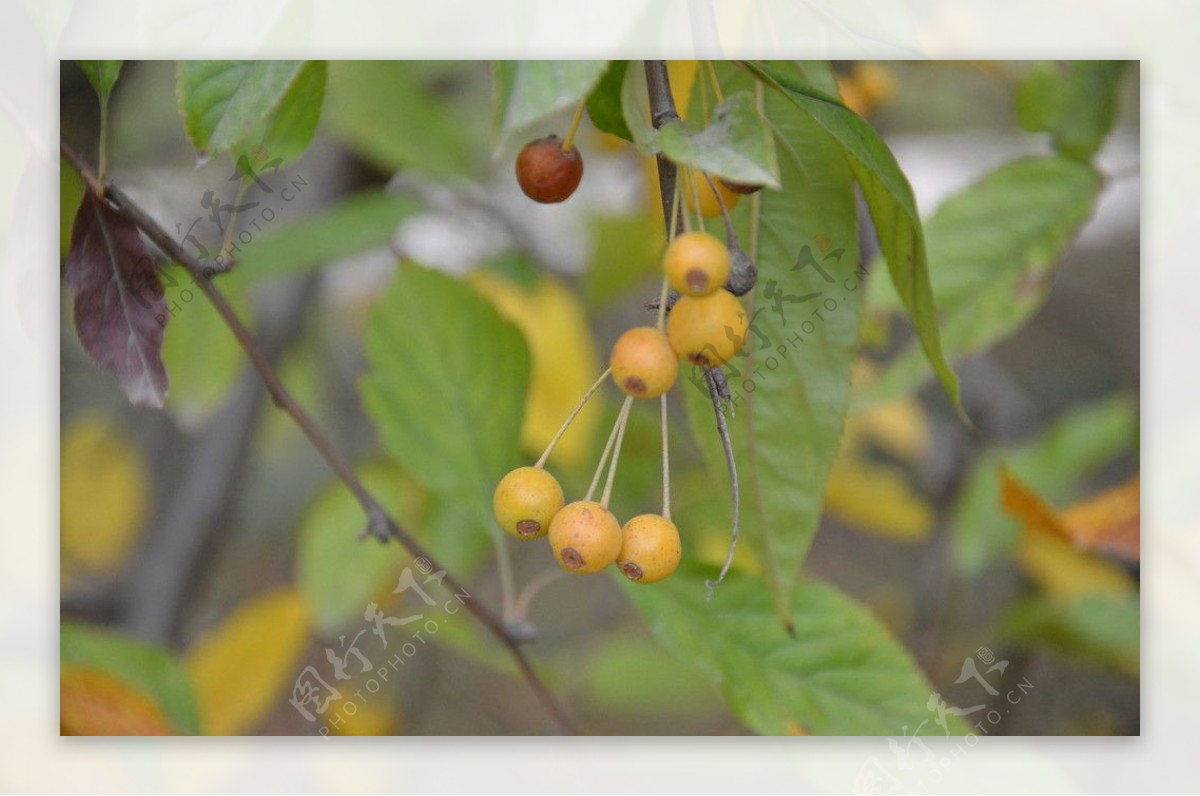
<point>563,362</point>
<point>92,702</point>
<point>242,669</point>
<point>1061,570</point>
<point>369,719</point>
<point>872,496</point>
<point>1110,522</point>
<point>1047,553</point>
<point>104,495</point>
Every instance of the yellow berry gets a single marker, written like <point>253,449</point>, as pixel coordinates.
<point>650,549</point>
<point>709,206</point>
<point>585,537</point>
<point>525,502</point>
<point>696,263</point>
<point>643,363</point>
<point>707,330</point>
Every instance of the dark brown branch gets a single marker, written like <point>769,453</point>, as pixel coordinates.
<point>379,523</point>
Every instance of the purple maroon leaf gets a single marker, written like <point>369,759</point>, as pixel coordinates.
<point>120,312</point>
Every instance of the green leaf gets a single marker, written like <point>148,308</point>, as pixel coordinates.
<point>604,103</point>
<point>792,388</point>
<point>992,251</point>
<point>890,200</point>
<point>736,143</point>
<point>200,352</point>
<point>446,386</point>
<point>1104,627</point>
<point>662,691</point>
<point>1074,101</point>
<point>223,102</point>
<point>102,75</point>
<point>149,669</point>
<point>355,224</point>
<point>286,133</point>
<point>532,90</point>
<point>1057,462</point>
<point>338,573</point>
<point>841,674</point>
<point>635,107</point>
<point>388,113</point>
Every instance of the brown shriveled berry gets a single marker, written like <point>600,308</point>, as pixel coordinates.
<point>548,173</point>
<point>525,502</point>
<point>707,330</point>
<point>650,549</point>
<point>643,363</point>
<point>585,537</point>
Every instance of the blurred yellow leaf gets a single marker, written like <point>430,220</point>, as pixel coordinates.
<point>682,75</point>
<point>240,671</point>
<point>1047,557</point>
<point>92,702</point>
<point>1061,570</point>
<point>898,427</point>
<point>872,496</point>
<point>104,495</point>
<point>564,363</point>
<point>1110,522</point>
<point>869,85</point>
<point>370,719</point>
<point>876,498</point>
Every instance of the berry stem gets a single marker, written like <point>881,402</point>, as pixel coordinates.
<point>569,141</point>
<point>612,437</point>
<point>622,422</point>
<point>666,461</point>
<point>570,418</point>
<point>691,180</point>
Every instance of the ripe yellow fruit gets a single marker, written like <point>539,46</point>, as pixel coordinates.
<point>585,537</point>
<point>525,502</point>
<point>643,363</point>
<point>697,263</point>
<point>650,549</point>
<point>710,207</point>
<point>707,330</point>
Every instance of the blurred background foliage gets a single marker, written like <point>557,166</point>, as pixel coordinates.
<point>208,556</point>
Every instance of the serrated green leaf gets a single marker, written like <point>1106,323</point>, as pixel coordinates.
<point>841,674</point>
<point>1057,462</point>
<point>604,103</point>
<point>736,144</point>
<point>893,208</point>
<point>792,389</point>
<point>102,75</point>
<point>540,88</point>
<point>1074,101</point>
<point>286,132</point>
<point>149,669</point>
<point>387,113</point>
<point>446,386</point>
<point>223,102</point>
<point>992,252</point>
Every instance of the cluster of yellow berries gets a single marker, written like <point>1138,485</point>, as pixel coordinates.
<point>706,326</point>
